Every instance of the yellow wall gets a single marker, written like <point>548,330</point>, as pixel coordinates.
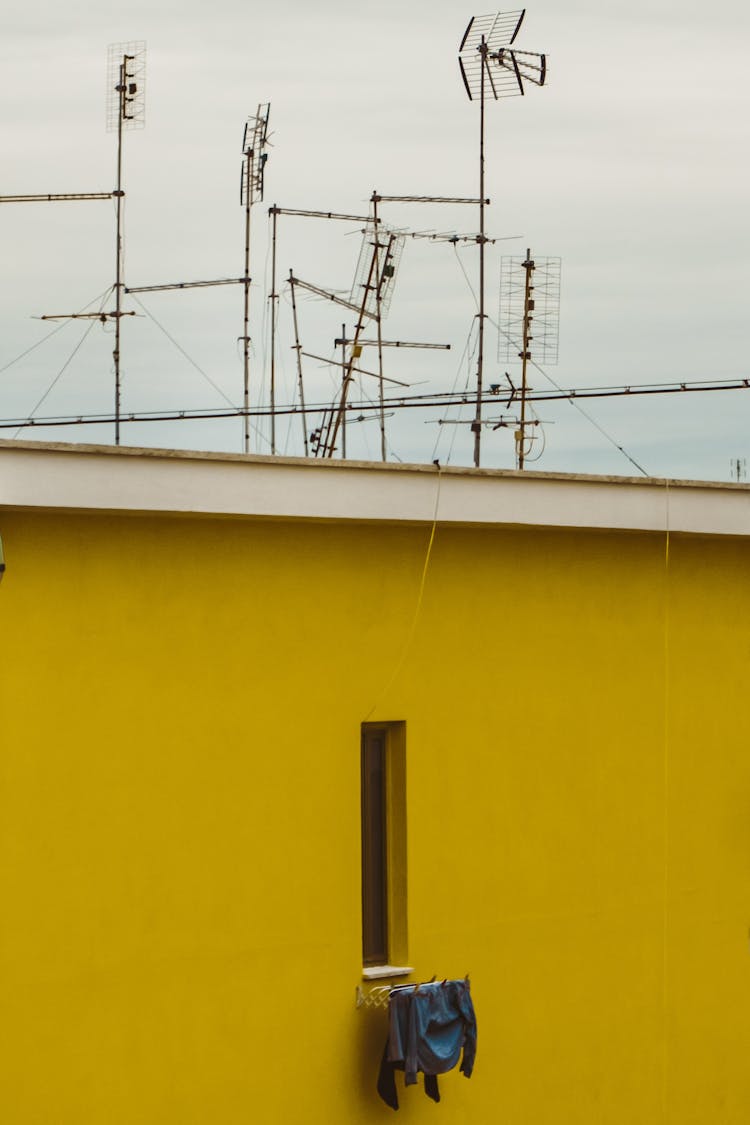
<point>180,707</point>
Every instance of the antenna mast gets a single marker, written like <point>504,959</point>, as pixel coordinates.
<point>126,109</point>
<point>490,67</point>
<point>529,322</point>
<point>254,160</point>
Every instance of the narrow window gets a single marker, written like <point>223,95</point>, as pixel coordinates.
<point>383,844</point>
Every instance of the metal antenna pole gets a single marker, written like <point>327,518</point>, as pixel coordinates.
<point>528,266</point>
<point>343,368</point>
<point>491,66</point>
<point>254,159</point>
<point>298,349</point>
<point>246,311</point>
<point>379,323</point>
<point>118,250</point>
<point>274,299</point>
<point>477,427</point>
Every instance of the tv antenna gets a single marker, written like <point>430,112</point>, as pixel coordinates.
<point>491,67</point>
<point>126,109</point>
<point>529,327</point>
<point>254,157</point>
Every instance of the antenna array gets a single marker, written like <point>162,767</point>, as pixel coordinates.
<point>126,86</point>
<point>388,245</point>
<point>492,68</point>
<point>543,312</point>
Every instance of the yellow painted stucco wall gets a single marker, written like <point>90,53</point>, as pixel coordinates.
<point>180,709</point>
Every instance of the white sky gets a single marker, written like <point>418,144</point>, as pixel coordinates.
<point>631,165</point>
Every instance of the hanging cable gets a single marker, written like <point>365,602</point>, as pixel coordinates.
<point>579,408</point>
<point>54,331</point>
<point>417,609</point>
<point>192,362</point>
<point>66,365</point>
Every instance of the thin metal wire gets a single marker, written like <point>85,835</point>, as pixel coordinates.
<point>65,366</point>
<point>54,332</point>
<point>187,356</point>
<point>586,415</point>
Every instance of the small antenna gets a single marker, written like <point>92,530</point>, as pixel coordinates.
<point>254,157</point>
<point>738,465</point>
<point>492,68</point>
<point>126,86</point>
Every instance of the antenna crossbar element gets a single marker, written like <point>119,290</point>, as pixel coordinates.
<point>185,285</point>
<point>319,214</point>
<point>376,198</point>
<point>88,316</point>
<point>57,197</point>
<point>451,236</point>
<point>330,296</point>
<point>395,344</point>
<point>126,86</point>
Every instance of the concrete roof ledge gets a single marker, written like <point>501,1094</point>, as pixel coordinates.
<point>87,478</point>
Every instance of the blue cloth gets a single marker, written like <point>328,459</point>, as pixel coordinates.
<point>429,1026</point>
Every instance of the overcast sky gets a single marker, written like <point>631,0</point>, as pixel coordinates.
<point>631,165</point>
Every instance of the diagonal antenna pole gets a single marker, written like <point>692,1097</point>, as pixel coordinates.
<point>298,350</point>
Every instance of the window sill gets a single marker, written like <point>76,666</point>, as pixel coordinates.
<point>380,972</point>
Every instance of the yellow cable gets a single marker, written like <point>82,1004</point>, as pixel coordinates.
<point>665,829</point>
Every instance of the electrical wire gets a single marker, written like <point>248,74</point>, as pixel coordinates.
<point>417,609</point>
<point>67,363</point>
<point>579,408</point>
<point>54,331</point>
<point>666,826</point>
<point>197,366</point>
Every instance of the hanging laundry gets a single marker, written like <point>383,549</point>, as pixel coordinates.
<point>429,1025</point>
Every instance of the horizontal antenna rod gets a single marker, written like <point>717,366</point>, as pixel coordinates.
<point>375,198</point>
<point>187,285</point>
<point>393,344</point>
<point>331,297</point>
<point>319,215</point>
<point>85,316</point>
<point>58,198</point>
<point>358,370</point>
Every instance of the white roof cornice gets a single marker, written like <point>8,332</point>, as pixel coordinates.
<point>89,478</point>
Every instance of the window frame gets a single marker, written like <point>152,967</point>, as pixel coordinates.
<point>383,816</point>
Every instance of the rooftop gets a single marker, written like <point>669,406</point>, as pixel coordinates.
<point>35,475</point>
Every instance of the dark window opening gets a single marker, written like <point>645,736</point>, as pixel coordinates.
<point>374,847</point>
